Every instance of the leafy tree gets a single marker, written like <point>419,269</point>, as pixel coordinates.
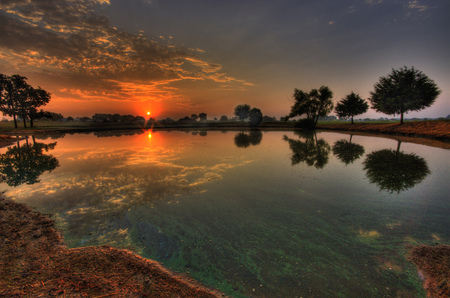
<point>223,118</point>
<point>403,90</point>
<point>350,106</point>
<point>255,116</point>
<point>17,98</point>
<point>35,98</point>
<point>194,117</point>
<point>202,116</point>
<point>242,111</point>
<point>49,115</point>
<point>313,104</point>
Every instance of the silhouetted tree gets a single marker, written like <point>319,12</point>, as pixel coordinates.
<point>242,111</point>
<point>312,151</point>
<point>314,104</point>
<point>346,151</point>
<point>24,164</point>
<point>184,120</point>
<point>255,117</point>
<point>17,98</point>
<point>350,106</point>
<point>194,117</point>
<point>223,118</point>
<point>402,91</point>
<point>49,115</point>
<point>202,116</point>
<point>394,170</point>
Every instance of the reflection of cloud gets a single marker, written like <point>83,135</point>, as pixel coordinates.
<point>90,57</point>
<point>98,187</point>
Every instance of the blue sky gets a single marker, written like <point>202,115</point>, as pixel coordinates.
<point>181,57</point>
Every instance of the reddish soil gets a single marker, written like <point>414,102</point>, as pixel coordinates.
<point>434,265</point>
<point>432,133</point>
<point>34,262</point>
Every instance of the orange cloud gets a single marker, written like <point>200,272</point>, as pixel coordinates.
<point>67,44</point>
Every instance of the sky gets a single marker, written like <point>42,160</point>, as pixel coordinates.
<point>175,58</point>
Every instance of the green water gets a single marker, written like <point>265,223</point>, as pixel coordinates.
<point>263,214</point>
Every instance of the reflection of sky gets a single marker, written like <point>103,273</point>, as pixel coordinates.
<point>191,189</point>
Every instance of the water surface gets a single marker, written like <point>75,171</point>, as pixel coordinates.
<point>250,213</point>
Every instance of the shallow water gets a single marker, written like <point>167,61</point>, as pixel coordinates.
<point>249,213</point>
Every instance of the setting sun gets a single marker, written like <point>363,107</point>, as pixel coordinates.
<point>148,113</point>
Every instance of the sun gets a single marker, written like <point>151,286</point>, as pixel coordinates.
<point>148,113</point>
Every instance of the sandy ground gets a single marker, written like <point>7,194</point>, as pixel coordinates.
<point>34,262</point>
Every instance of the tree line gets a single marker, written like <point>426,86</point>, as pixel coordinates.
<point>401,91</point>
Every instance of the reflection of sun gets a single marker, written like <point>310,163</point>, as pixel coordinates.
<point>149,135</point>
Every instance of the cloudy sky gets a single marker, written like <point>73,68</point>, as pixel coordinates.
<point>177,57</point>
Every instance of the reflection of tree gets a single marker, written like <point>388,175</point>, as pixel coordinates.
<point>244,140</point>
<point>312,151</point>
<point>24,164</point>
<point>346,151</point>
<point>395,170</point>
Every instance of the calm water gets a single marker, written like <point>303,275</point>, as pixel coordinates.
<point>252,214</point>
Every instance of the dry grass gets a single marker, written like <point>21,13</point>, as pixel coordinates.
<point>34,262</point>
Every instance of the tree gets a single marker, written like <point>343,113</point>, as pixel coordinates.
<point>194,117</point>
<point>350,106</point>
<point>255,116</point>
<point>403,90</point>
<point>34,98</point>
<point>315,104</point>
<point>223,118</point>
<point>242,111</point>
<point>202,116</point>
<point>17,98</point>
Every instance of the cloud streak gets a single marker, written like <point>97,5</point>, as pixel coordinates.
<point>70,42</point>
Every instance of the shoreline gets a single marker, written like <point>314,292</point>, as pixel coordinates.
<point>435,133</point>
<point>35,261</point>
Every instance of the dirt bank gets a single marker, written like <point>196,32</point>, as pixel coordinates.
<point>34,261</point>
<point>433,263</point>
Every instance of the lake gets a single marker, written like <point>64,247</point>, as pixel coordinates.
<point>253,213</point>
